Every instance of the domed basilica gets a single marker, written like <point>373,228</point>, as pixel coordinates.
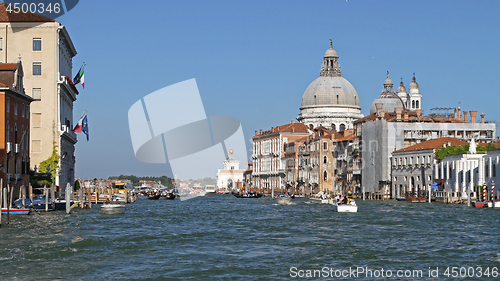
<point>330,100</point>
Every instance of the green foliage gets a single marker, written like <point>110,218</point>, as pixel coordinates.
<point>77,185</point>
<point>166,181</point>
<point>462,149</point>
<point>53,162</point>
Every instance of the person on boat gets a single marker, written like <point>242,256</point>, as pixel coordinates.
<point>117,201</point>
<point>344,201</point>
<point>107,200</point>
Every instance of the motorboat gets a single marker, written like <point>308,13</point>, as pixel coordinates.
<point>112,209</point>
<point>16,211</point>
<point>480,204</point>
<point>283,199</point>
<point>247,194</point>
<point>350,207</point>
<point>170,196</point>
<point>321,198</point>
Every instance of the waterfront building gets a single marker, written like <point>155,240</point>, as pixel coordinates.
<point>291,160</point>
<point>347,156</point>
<point>458,173</point>
<point>412,167</point>
<point>330,101</point>
<point>391,127</point>
<point>47,49</point>
<point>14,128</point>
<point>268,153</point>
<point>230,177</point>
<point>316,163</point>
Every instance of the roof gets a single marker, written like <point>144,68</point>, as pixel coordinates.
<point>288,128</point>
<point>350,137</point>
<point>20,17</point>
<point>8,66</point>
<point>433,144</point>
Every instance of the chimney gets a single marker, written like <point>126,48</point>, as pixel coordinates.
<point>456,113</point>
<point>419,112</point>
<point>261,131</point>
<point>482,117</point>
<point>473,115</point>
<point>255,132</point>
<point>379,107</point>
<point>399,111</point>
<point>406,115</point>
<point>466,119</point>
<point>459,113</point>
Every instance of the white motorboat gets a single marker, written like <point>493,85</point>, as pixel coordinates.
<point>283,200</point>
<point>345,208</point>
<point>112,209</point>
<point>321,200</point>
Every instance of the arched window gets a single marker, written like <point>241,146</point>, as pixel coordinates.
<point>325,159</point>
<point>342,127</point>
<point>334,128</point>
<point>325,176</point>
<point>413,104</point>
<point>311,126</point>
<point>417,104</point>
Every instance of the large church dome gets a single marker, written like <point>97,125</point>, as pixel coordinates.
<point>328,91</point>
<point>330,100</point>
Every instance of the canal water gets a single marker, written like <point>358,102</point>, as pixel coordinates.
<point>219,237</point>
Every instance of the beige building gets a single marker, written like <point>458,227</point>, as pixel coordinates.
<point>47,51</point>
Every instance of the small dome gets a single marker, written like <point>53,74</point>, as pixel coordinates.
<point>401,88</point>
<point>414,84</point>
<point>331,53</point>
<point>390,102</point>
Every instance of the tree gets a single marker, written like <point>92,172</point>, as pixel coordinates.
<point>52,163</point>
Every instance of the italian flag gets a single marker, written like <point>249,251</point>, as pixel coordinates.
<point>79,77</point>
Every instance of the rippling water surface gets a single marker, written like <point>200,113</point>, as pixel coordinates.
<point>219,237</point>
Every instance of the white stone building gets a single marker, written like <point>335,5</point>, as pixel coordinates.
<point>230,177</point>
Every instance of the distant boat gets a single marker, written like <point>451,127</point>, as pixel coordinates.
<point>170,196</point>
<point>154,197</point>
<point>497,204</point>
<point>112,209</point>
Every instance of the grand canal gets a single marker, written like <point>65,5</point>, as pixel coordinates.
<point>219,237</point>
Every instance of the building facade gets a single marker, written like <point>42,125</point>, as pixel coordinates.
<point>47,51</point>
<point>392,127</point>
<point>268,154</point>
<point>14,128</point>
<point>230,177</point>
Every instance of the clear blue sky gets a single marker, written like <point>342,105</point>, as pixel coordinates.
<point>253,60</point>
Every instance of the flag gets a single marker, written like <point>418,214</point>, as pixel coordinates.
<point>82,126</point>
<point>79,77</point>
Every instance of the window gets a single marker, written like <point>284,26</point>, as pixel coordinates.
<point>37,68</point>
<point>36,93</point>
<point>15,107</point>
<point>325,160</point>
<point>37,44</point>
<point>7,133</point>
<point>1,44</point>
<point>325,176</point>
<point>36,146</point>
<point>27,111</point>
<point>23,110</point>
<point>36,120</point>
<point>8,104</point>
<point>325,145</point>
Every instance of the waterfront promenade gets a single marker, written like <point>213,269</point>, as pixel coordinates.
<point>220,237</point>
